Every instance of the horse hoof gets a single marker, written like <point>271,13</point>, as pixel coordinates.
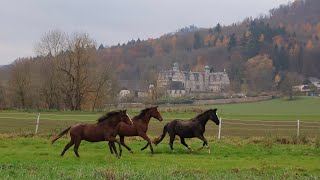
<point>131,152</point>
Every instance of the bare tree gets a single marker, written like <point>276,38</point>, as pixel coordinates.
<point>290,79</point>
<point>20,81</point>
<point>74,69</point>
<point>51,47</point>
<point>2,97</point>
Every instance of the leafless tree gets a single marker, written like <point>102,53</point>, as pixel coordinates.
<point>286,85</point>
<point>74,69</point>
<point>20,82</point>
<point>51,47</point>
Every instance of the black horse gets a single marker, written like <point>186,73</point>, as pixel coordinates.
<point>194,127</point>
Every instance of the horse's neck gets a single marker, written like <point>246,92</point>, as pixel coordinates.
<point>203,119</point>
<point>112,123</point>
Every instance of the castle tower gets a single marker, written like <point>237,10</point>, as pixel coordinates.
<point>175,66</point>
<point>207,69</point>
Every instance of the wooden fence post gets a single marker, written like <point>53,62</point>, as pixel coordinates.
<point>298,127</point>
<point>38,121</point>
<point>219,133</point>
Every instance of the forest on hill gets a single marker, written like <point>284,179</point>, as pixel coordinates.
<point>261,54</point>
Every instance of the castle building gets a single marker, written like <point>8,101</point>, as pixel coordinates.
<point>179,83</point>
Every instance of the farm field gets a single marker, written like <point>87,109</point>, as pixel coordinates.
<point>279,115</point>
<point>35,158</point>
<point>258,151</point>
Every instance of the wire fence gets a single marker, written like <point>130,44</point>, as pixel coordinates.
<point>53,123</point>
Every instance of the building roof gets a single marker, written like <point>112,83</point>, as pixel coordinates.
<point>133,85</point>
<point>175,85</point>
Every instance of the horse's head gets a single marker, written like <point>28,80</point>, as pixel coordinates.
<point>213,116</point>
<point>155,113</point>
<point>125,117</point>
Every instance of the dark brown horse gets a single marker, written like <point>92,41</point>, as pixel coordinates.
<point>105,129</point>
<point>139,128</point>
<point>194,127</point>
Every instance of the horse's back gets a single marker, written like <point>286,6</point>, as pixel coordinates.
<point>182,128</point>
<point>88,132</point>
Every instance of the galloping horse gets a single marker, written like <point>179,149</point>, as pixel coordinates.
<point>105,129</point>
<point>194,127</point>
<point>139,128</point>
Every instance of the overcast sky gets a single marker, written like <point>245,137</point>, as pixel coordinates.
<point>23,22</point>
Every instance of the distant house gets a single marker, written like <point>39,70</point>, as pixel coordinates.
<point>315,82</point>
<point>137,88</point>
<point>302,88</point>
<point>178,83</point>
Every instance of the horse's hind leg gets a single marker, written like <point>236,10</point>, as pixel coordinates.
<point>76,146</point>
<point>67,147</point>
<point>185,144</point>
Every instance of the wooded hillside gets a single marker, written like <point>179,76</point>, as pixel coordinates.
<point>259,55</point>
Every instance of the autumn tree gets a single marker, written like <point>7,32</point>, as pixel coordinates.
<point>259,73</point>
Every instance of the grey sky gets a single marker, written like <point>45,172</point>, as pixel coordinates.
<point>23,22</point>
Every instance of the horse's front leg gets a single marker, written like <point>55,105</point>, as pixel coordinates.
<point>205,142</point>
<point>123,144</point>
<point>145,137</point>
<point>110,147</point>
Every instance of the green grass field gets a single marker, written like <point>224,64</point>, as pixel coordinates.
<point>255,153</point>
<point>35,158</point>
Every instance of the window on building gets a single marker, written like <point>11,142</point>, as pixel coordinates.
<point>196,76</point>
<point>186,76</point>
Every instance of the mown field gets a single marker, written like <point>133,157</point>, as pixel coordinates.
<point>244,152</point>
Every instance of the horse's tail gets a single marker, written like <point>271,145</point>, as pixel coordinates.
<point>160,138</point>
<point>60,135</point>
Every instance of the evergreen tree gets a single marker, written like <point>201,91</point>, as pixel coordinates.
<point>243,40</point>
<point>232,41</point>
<point>198,41</point>
<point>101,47</point>
<point>218,28</point>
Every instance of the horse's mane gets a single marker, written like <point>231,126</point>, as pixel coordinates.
<point>203,113</point>
<point>143,112</point>
<point>107,116</point>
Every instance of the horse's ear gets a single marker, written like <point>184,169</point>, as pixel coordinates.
<point>156,106</point>
<point>125,111</point>
<point>215,110</point>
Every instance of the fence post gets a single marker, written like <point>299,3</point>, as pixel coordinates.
<point>219,133</point>
<point>37,125</point>
<point>298,127</point>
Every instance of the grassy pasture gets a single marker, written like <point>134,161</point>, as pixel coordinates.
<point>35,158</point>
<point>305,109</point>
<point>258,152</point>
